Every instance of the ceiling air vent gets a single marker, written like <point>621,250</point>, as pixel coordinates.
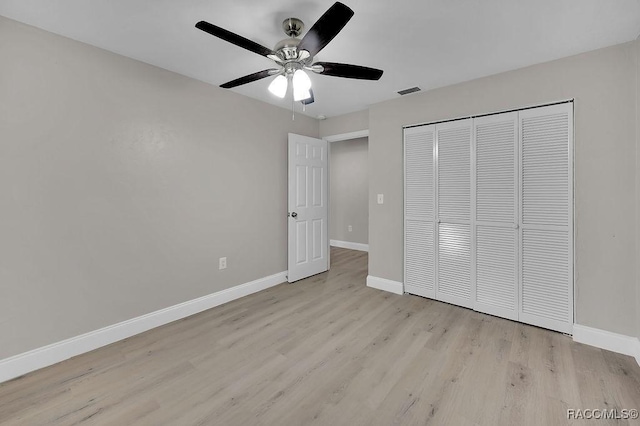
<point>409,90</point>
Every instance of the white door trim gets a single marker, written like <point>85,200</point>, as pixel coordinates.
<point>347,136</point>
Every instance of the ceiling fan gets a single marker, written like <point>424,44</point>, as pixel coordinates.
<point>294,56</point>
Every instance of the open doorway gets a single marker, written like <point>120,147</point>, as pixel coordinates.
<point>349,193</point>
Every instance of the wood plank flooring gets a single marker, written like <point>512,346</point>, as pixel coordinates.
<point>329,351</point>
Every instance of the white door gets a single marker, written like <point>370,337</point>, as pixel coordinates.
<point>489,218</point>
<point>453,206</point>
<point>419,211</point>
<point>546,230</point>
<point>496,214</point>
<point>308,234</point>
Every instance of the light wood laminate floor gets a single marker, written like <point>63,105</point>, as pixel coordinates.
<point>329,350</point>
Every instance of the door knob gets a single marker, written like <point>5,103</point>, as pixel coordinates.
<point>294,214</point>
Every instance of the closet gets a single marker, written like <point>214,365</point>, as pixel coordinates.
<point>488,214</point>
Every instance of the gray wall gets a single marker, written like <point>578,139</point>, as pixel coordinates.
<point>603,85</point>
<point>349,191</point>
<point>122,184</point>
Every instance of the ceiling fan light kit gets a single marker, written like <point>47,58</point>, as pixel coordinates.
<point>293,56</point>
<point>301,85</point>
<point>278,86</point>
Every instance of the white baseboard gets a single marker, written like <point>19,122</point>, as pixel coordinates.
<point>385,284</point>
<point>45,356</point>
<point>602,339</point>
<point>349,245</point>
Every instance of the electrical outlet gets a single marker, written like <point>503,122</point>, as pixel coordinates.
<point>222,263</point>
<point>380,198</point>
<point>350,228</point>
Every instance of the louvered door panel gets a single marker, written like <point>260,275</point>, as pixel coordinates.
<point>496,249</point>
<point>496,145</point>
<point>453,148</point>
<point>419,256</point>
<point>545,275</point>
<point>419,202</point>
<point>454,264</point>
<point>454,161</point>
<point>496,271</point>
<point>545,169</point>
<point>546,258</point>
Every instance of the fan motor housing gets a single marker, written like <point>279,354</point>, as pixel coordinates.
<point>287,43</point>
<point>287,48</point>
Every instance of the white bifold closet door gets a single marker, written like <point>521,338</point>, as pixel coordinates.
<point>489,214</point>
<point>496,214</point>
<point>453,207</point>
<point>419,211</point>
<point>546,224</point>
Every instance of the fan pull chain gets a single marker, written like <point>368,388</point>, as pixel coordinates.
<point>293,110</point>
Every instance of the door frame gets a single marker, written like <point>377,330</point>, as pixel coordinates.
<point>337,138</point>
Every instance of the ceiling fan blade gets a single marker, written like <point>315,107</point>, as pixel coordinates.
<point>326,28</point>
<point>348,71</point>
<point>233,38</point>
<point>249,78</point>
<point>309,100</point>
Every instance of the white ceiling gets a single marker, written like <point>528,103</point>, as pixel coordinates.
<point>425,43</point>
